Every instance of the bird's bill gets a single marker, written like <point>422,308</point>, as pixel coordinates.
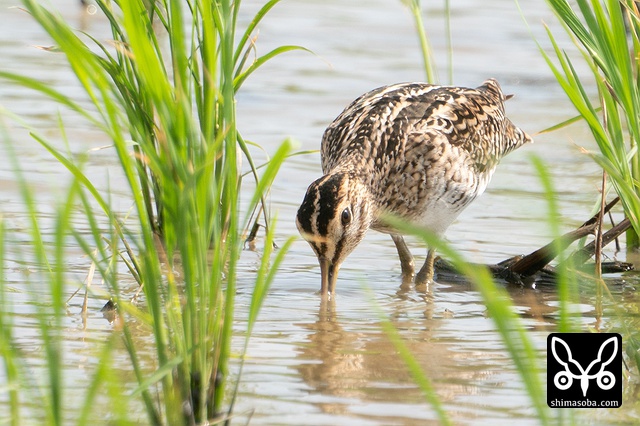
<point>329,276</point>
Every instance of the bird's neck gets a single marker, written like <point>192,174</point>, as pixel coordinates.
<point>359,167</point>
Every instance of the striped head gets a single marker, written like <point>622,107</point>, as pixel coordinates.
<point>334,217</point>
<point>507,136</point>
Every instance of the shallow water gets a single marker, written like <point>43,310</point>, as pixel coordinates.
<point>309,363</point>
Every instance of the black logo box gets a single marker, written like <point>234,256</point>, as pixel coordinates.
<point>584,370</point>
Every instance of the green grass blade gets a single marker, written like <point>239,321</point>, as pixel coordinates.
<point>264,183</point>
<point>170,112</point>
<point>425,47</point>
<point>8,349</point>
<point>243,75</point>
<point>51,93</point>
<point>418,375</point>
<point>257,18</point>
<point>567,286</point>
<point>157,375</point>
<point>500,308</point>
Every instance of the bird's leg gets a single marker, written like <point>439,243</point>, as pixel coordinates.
<point>426,273</point>
<point>406,259</point>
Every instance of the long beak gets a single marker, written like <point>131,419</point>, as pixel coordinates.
<point>329,275</point>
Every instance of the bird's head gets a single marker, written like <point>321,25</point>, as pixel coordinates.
<point>334,217</point>
<point>515,136</point>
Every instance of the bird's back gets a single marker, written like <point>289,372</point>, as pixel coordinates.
<point>422,148</point>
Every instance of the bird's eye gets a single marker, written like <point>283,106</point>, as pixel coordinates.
<point>345,217</point>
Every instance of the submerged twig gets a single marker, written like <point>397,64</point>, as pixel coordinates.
<point>518,268</point>
<point>579,257</point>
<point>534,262</point>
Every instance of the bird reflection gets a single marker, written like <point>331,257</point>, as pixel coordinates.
<point>343,359</point>
<point>360,362</point>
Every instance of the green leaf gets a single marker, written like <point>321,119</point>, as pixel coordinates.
<point>242,76</point>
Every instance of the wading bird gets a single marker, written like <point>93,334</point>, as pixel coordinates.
<point>418,151</point>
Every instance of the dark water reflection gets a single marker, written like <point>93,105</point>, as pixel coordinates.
<point>316,364</point>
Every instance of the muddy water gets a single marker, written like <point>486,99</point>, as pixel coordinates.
<point>314,364</point>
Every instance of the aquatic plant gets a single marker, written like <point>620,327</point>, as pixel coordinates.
<point>163,90</point>
<point>607,33</point>
<point>515,338</point>
<point>426,51</point>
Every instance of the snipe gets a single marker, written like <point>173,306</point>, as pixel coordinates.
<point>418,151</point>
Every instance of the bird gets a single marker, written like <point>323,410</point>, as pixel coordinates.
<point>418,151</point>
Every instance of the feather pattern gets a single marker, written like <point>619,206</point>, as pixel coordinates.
<point>419,151</point>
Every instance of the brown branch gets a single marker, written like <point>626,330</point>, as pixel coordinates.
<point>534,262</point>
<point>517,268</point>
<point>585,253</point>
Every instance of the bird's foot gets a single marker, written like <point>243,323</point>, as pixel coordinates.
<point>406,260</point>
<point>407,277</point>
<point>408,270</point>
<point>423,279</point>
<point>427,272</point>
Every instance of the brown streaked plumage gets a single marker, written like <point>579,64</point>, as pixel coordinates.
<point>418,151</point>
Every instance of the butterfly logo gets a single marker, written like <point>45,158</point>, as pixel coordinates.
<point>564,379</point>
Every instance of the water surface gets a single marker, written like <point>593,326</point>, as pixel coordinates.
<point>309,363</point>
